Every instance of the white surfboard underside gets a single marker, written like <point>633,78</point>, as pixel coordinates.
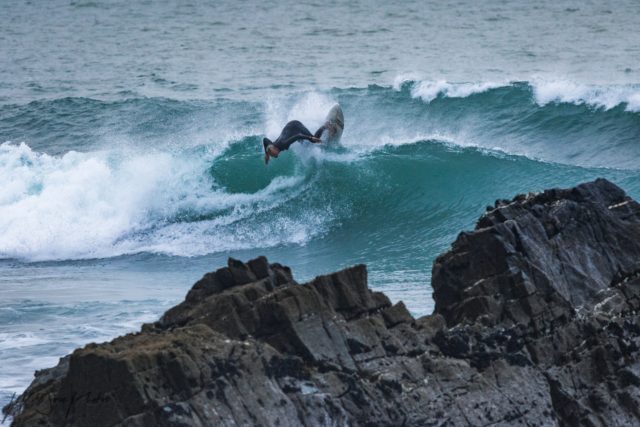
<point>334,125</point>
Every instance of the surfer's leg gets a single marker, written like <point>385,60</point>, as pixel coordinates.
<point>305,134</point>
<point>302,130</point>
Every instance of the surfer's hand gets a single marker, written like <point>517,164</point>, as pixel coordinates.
<point>315,140</point>
<point>266,159</point>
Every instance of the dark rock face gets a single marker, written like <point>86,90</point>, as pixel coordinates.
<point>536,324</point>
<point>558,249</point>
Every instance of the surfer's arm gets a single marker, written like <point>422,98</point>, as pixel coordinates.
<point>318,133</point>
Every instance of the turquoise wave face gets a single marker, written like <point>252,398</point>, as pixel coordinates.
<point>397,202</point>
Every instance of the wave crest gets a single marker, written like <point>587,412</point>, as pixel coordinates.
<point>428,90</point>
<point>606,97</point>
<point>544,91</point>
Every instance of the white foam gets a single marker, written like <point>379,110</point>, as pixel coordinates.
<point>401,79</point>
<point>311,109</point>
<point>234,230</point>
<point>606,97</point>
<point>545,91</point>
<point>102,204</point>
<point>428,90</point>
<point>19,340</point>
<point>76,205</point>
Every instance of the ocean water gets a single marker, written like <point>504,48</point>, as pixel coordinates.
<point>130,144</point>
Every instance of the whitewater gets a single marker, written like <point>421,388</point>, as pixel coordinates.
<point>130,144</point>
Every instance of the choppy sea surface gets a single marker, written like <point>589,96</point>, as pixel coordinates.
<point>130,143</point>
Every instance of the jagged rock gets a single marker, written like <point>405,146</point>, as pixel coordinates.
<point>536,323</point>
<point>536,259</point>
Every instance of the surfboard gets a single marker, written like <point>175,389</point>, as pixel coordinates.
<point>334,125</point>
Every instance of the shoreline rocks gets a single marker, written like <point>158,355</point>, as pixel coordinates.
<point>536,323</point>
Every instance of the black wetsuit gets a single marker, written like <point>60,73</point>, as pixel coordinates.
<point>292,132</point>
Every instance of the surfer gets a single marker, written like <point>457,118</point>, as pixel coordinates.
<point>292,132</point>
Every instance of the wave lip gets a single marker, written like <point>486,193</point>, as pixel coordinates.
<point>606,97</point>
<point>428,90</point>
<point>544,91</point>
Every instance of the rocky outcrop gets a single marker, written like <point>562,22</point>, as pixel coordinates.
<point>536,323</point>
<point>558,249</point>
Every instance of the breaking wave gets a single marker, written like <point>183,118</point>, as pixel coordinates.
<point>186,178</point>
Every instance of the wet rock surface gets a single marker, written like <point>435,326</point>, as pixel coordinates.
<point>536,323</point>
